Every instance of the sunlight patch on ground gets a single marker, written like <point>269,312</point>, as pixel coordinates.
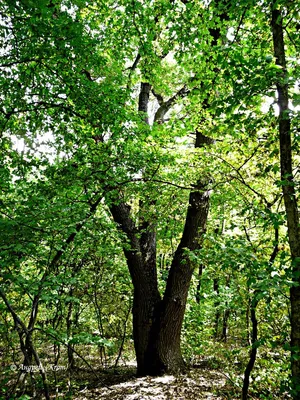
<point>197,384</point>
<point>164,379</point>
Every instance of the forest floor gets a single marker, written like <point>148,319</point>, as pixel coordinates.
<point>197,383</point>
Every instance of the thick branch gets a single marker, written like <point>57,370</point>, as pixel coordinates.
<point>144,99</point>
<point>166,105</point>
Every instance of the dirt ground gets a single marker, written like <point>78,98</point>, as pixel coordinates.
<point>198,383</point>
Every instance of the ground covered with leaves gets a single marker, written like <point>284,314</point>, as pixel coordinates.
<point>197,383</point>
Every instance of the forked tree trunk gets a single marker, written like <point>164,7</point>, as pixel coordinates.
<point>288,188</point>
<point>157,323</point>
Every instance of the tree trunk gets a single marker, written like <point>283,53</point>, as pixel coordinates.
<point>146,299</point>
<point>224,333</point>
<point>141,261</point>
<point>226,314</point>
<point>157,323</point>
<point>253,352</point>
<point>71,359</point>
<point>288,188</point>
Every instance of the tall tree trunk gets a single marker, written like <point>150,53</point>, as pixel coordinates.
<point>157,323</point>
<point>288,188</point>
<point>146,299</point>
<point>252,306</point>
<point>141,261</point>
<point>226,314</point>
<point>71,359</point>
<point>224,333</point>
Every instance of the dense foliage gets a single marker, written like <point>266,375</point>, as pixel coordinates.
<point>116,118</point>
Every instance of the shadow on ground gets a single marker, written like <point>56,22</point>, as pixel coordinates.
<point>198,383</point>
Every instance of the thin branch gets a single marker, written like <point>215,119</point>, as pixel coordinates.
<point>135,64</point>
<point>276,248</point>
<point>291,39</point>
<point>22,224</point>
<point>248,238</point>
<point>240,25</point>
<point>72,236</point>
<point>132,68</point>
<point>15,316</point>
<point>249,158</point>
<point>241,179</point>
<point>11,63</point>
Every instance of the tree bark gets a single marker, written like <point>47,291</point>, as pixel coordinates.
<point>252,306</point>
<point>288,188</point>
<point>146,297</point>
<point>157,322</point>
<point>164,352</point>
<point>226,314</point>
<point>141,261</point>
<point>253,352</point>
